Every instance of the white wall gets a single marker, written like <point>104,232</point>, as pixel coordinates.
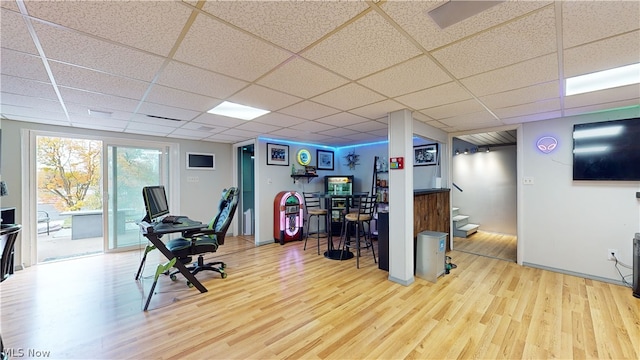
<point>489,185</point>
<point>569,225</point>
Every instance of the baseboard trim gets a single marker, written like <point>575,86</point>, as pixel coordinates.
<point>573,273</point>
<point>402,282</point>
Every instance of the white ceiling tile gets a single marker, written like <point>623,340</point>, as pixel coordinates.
<point>263,98</point>
<point>413,17</point>
<point>153,122</point>
<point>19,86</point>
<point>338,132</point>
<point>10,5</point>
<point>301,77</point>
<point>413,75</point>
<point>603,55</point>
<point>587,21</point>
<point>603,96</point>
<point>309,110</point>
<point>218,120</point>
<point>146,129</point>
<point>367,45</point>
<point>288,134</point>
<point>533,117</point>
<point>259,127</point>
<point>312,126</point>
<point>81,110</point>
<point>523,39</point>
<point>367,126</point>
<point>23,65</point>
<point>275,21</point>
<point>31,102</point>
<point>348,97</point>
<point>435,96</point>
<point>192,125</point>
<point>602,107</point>
<point>81,78</point>
<point>39,120</point>
<point>528,73</point>
<point>23,111</point>
<point>377,110</point>
<point>148,108</point>
<point>102,124</point>
<point>276,118</point>
<point>103,127</point>
<point>477,120</point>
<point>81,50</point>
<point>190,134</point>
<point>224,138</point>
<point>454,109</point>
<point>212,45</point>
<point>149,25</point>
<point>342,119</point>
<point>178,98</point>
<point>188,78</point>
<point>241,133</point>
<point>92,100</point>
<point>528,109</point>
<point>524,95</point>
<point>14,34</point>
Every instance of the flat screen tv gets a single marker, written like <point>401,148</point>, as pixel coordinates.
<point>608,150</point>
<point>155,202</point>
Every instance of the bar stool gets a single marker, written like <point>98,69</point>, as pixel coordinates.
<point>313,206</point>
<point>362,213</point>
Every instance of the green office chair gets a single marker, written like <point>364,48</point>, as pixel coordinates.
<point>201,241</point>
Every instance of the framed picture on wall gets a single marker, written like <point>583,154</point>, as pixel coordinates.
<point>425,155</point>
<point>325,159</point>
<point>277,154</point>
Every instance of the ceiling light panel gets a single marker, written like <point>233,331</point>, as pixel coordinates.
<point>237,111</point>
<point>607,79</point>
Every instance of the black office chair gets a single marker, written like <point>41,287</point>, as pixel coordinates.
<point>8,236</point>
<point>313,207</point>
<point>201,241</point>
<point>360,214</point>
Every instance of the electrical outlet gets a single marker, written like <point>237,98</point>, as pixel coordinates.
<point>527,180</point>
<point>609,252</point>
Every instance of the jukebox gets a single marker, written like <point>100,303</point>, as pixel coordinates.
<point>288,217</point>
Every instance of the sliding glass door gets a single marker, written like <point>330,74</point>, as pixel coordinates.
<point>129,169</point>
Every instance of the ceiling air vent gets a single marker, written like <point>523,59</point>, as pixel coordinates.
<point>163,118</point>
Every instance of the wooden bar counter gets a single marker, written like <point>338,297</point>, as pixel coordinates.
<point>432,211</point>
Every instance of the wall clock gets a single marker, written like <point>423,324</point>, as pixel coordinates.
<point>304,157</point>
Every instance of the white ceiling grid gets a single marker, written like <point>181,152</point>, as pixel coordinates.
<point>329,71</point>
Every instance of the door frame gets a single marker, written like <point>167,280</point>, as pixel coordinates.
<point>237,183</point>
<point>29,250</point>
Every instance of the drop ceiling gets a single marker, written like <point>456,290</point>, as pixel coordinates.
<point>329,72</point>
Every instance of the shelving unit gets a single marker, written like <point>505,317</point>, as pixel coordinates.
<point>309,177</point>
<point>380,182</point>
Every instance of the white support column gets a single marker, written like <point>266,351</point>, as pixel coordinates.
<point>401,198</point>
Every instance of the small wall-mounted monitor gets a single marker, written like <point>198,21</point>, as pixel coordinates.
<point>200,161</point>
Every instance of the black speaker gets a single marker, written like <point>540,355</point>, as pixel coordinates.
<point>636,266</point>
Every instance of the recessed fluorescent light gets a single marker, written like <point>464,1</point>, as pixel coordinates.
<point>590,149</point>
<point>237,111</point>
<point>600,132</point>
<point>607,79</point>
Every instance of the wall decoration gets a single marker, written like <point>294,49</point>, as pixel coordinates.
<point>352,159</point>
<point>325,159</point>
<point>304,157</point>
<point>277,154</point>
<point>547,144</point>
<point>425,155</point>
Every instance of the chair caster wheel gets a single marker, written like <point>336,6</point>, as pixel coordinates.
<point>173,277</point>
<point>223,275</point>
<point>189,284</point>
<point>223,265</point>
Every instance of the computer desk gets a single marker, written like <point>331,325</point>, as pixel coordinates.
<point>153,232</point>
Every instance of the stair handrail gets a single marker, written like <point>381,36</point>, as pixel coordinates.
<point>457,187</point>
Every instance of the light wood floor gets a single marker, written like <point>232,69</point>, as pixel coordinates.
<point>499,246</point>
<point>282,302</point>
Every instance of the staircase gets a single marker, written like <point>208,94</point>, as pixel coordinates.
<point>461,225</point>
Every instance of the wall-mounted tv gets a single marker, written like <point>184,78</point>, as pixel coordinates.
<point>608,150</point>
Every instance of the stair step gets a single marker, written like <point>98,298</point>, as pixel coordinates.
<point>460,217</point>
<point>454,211</point>
<point>466,230</point>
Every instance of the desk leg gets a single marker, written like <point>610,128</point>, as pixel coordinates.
<point>162,268</point>
<point>180,266</point>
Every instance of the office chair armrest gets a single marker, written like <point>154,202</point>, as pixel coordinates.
<point>192,234</point>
